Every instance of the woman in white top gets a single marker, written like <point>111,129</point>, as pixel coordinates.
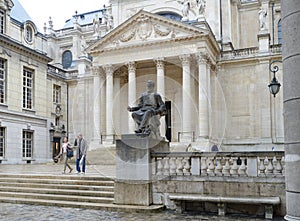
<point>63,152</point>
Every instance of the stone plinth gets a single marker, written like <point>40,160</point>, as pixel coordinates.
<point>263,41</point>
<point>134,169</point>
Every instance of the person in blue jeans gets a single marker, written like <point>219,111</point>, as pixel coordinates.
<point>81,150</point>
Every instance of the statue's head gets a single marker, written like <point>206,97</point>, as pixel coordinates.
<point>150,85</point>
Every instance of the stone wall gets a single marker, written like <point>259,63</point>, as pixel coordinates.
<point>221,187</point>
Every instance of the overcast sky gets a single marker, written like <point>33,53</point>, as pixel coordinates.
<point>59,10</point>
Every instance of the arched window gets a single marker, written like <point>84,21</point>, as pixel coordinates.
<point>67,59</point>
<point>171,15</point>
<point>279,32</point>
<point>29,34</point>
<point>2,21</point>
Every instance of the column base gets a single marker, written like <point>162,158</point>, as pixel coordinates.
<point>203,144</point>
<point>108,139</point>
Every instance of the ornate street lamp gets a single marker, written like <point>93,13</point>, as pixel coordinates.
<point>274,85</point>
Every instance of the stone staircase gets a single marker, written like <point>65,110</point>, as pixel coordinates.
<point>89,192</point>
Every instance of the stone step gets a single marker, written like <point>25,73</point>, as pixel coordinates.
<point>58,181</point>
<point>60,177</point>
<point>57,191</point>
<point>59,186</point>
<point>46,196</point>
<point>85,205</point>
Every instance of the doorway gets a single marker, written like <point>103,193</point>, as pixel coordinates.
<point>56,146</point>
<point>168,121</point>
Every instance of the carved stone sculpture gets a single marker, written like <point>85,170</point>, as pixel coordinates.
<point>148,112</point>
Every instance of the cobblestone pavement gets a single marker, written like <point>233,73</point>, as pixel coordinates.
<point>21,212</point>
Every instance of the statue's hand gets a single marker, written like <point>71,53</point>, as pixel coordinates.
<point>129,109</point>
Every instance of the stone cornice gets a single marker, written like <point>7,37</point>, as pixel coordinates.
<point>125,47</point>
<point>146,28</point>
<point>20,48</point>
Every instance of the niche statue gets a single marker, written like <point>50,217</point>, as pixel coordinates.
<point>148,112</point>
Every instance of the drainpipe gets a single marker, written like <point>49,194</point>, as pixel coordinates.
<point>273,31</point>
<point>221,25</point>
<point>67,109</point>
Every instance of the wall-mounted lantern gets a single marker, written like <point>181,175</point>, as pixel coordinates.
<point>274,85</point>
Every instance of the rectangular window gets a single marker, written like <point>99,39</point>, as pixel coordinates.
<point>2,141</point>
<point>2,21</point>
<point>56,94</point>
<point>28,88</point>
<point>27,149</point>
<point>2,81</point>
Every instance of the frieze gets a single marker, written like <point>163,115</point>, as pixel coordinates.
<point>127,36</point>
<point>144,29</point>
<point>161,31</point>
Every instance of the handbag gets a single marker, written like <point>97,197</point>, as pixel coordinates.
<point>70,153</point>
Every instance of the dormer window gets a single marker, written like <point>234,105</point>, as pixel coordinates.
<point>28,34</point>
<point>2,21</point>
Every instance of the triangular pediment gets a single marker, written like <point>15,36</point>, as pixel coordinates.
<point>146,28</point>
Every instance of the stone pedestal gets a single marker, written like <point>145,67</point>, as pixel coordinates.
<point>263,41</point>
<point>83,62</point>
<point>134,169</point>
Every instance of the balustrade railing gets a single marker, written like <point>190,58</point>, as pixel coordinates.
<point>244,52</point>
<point>237,164</point>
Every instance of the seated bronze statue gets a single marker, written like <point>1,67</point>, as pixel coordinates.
<point>148,112</point>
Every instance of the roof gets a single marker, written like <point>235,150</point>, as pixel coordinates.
<point>84,18</point>
<point>18,12</point>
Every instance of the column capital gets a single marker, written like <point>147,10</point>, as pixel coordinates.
<point>108,68</point>
<point>97,71</point>
<point>202,58</point>
<point>131,66</point>
<point>159,63</point>
<point>185,59</point>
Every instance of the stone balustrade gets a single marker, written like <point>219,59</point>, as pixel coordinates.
<point>219,164</point>
<point>244,52</point>
<point>248,52</point>
<point>276,49</point>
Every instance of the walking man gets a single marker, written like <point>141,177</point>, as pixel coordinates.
<point>82,147</point>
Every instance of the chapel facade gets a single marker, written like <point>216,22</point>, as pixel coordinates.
<point>210,61</point>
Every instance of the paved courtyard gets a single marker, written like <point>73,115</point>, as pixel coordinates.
<point>20,212</point>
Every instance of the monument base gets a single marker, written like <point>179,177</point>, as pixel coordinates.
<point>134,168</point>
<point>127,193</point>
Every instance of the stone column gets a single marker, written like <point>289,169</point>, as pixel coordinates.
<point>117,106</point>
<point>97,100</point>
<point>103,103</point>
<point>186,99</point>
<point>203,102</point>
<point>161,89</point>
<point>203,96</point>
<point>131,93</point>
<point>291,104</point>
<point>109,103</point>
